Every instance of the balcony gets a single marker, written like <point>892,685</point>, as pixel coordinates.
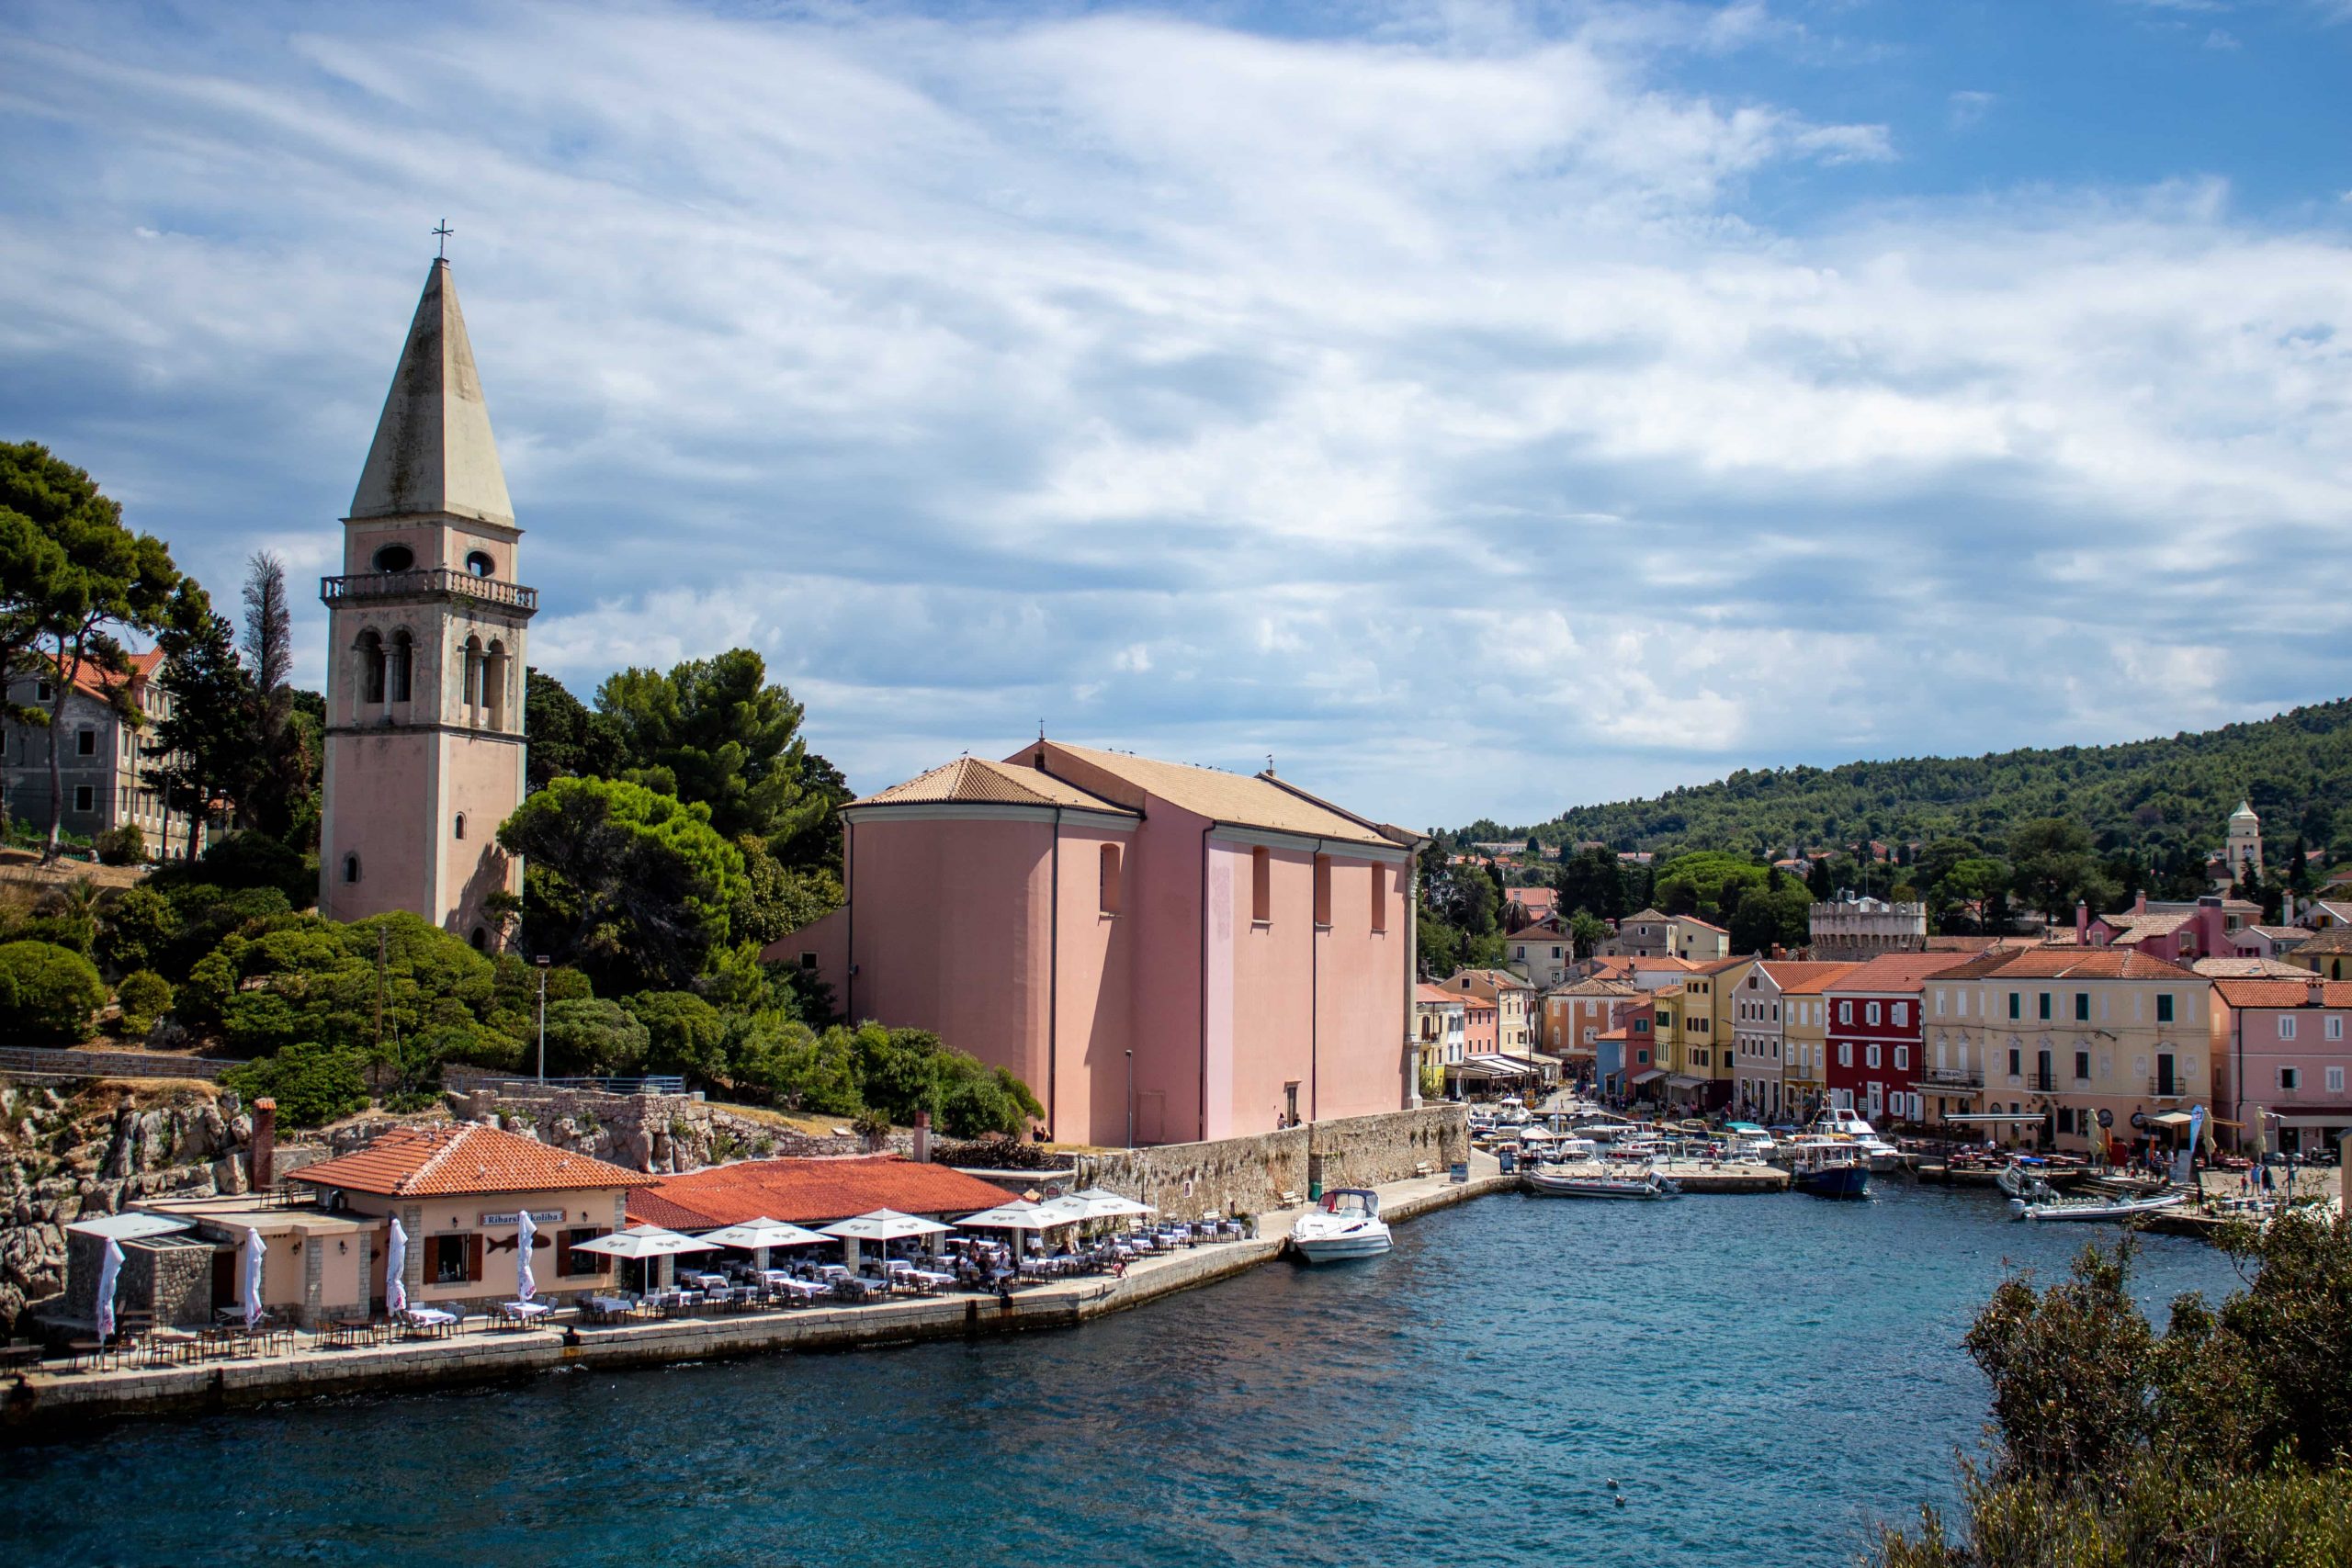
<point>2041,1083</point>
<point>1951,1077</point>
<point>421,583</point>
<point>2167,1089</point>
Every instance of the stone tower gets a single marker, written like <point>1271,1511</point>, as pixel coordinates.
<point>2245,839</point>
<point>425,652</point>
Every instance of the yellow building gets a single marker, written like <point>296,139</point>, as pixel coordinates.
<point>2326,953</point>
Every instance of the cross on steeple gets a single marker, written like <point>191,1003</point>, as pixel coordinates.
<point>443,232</point>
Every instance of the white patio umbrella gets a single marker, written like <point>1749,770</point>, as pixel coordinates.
<point>1021,1217</point>
<point>1102,1203</point>
<point>758,1235</point>
<point>396,1270</point>
<point>882,1226</point>
<point>109,1269</point>
<point>645,1243</point>
<point>524,1234</point>
<point>254,1248</point>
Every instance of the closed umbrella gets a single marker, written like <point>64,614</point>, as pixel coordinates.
<point>396,1270</point>
<point>254,1248</point>
<point>524,1234</point>
<point>109,1269</point>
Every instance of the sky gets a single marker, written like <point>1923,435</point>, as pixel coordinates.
<point>1478,408</point>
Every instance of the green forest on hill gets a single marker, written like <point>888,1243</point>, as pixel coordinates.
<point>2152,799</point>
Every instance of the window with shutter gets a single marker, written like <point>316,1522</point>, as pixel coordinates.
<point>473,1257</point>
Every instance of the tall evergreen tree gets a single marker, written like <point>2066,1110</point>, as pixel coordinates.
<point>205,743</point>
<point>281,780</point>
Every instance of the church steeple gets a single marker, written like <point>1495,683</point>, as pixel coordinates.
<point>434,451</point>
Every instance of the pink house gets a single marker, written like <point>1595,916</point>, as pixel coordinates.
<point>1162,953</point>
<point>2280,1059</point>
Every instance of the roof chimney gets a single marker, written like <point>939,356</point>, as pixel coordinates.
<point>2315,992</point>
<point>264,1157</point>
<point>922,1137</point>
<point>2081,923</point>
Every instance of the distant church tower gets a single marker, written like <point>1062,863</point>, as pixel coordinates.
<point>2246,839</point>
<point>424,648</point>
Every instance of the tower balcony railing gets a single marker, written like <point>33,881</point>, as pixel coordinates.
<point>427,580</point>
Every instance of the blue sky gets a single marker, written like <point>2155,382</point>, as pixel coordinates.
<point>1482,409</point>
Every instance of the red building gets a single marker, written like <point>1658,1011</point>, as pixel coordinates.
<point>1874,1034</point>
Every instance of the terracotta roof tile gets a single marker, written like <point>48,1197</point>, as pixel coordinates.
<point>2249,969</point>
<point>969,779</point>
<point>2088,963</point>
<point>462,1159</point>
<point>1244,800</point>
<point>1895,973</point>
<point>1804,978</point>
<point>808,1192</point>
<point>2283,993</point>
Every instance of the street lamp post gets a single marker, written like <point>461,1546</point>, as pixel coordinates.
<point>1131,1100</point>
<point>542,1017</point>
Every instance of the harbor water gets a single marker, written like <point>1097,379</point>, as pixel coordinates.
<point>1763,1378</point>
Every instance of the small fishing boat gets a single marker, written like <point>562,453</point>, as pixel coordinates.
<point>1347,1225</point>
<point>1831,1171</point>
<point>2094,1208</point>
<point>1561,1184</point>
<point>1844,1121</point>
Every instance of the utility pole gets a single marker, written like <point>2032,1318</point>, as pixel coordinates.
<point>543,1018</point>
<point>379,991</point>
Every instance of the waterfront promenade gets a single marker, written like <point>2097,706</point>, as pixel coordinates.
<point>46,1401</point>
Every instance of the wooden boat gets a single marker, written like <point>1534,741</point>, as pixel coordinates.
<point>1831,1171</point>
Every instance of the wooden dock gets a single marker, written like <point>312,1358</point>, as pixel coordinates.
<point>1695,1175</point>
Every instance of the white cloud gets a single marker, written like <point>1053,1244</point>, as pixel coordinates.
<point>1430,407</point>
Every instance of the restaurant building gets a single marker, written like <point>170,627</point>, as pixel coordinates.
<point>459,1189</point>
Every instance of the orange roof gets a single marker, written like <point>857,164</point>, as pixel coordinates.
<point>93,681</point>
<point>2084,964</point>
<point>445,1159</point>
<point>1805,977</point>
<point>1428,993</point>
<point>808,1191</point>
<point>1895,973</point>
<point>1634,964</point>
<point>968,779</point>
<point>1718,965</point>
<point>2283,993</point>
<point>1256,800</point>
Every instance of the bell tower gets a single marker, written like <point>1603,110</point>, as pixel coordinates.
<point>425,652</point>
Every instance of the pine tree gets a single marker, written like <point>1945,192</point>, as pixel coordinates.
<point>205,745</point>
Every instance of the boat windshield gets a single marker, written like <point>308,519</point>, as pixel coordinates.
<point>1350,1201</point>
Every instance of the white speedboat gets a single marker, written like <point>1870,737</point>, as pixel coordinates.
<point>1837,1121</point>
<point>1563,1184</point>
<point>1347,1225</point>
<point>2094,1208</point>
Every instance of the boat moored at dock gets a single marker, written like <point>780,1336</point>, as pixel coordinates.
<point>1565,1184</point>
<point>1347,1225</point>
<point>1831,1169</point>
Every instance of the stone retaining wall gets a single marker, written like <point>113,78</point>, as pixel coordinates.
<point>1251,1176</point>
<point>658,1132</point>
<point>109,1064</point>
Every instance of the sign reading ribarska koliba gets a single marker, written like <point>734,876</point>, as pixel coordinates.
<point>538,1217</point>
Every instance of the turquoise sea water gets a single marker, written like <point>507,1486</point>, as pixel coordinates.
<point>1764,1378</point>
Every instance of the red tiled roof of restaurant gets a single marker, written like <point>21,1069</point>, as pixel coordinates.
<point>2088,963</point>
<point>462,1159</point>
<point>1895,973</point>
<point>2283,993</point>
<point>808,1191</point>
<point>1803,978</point>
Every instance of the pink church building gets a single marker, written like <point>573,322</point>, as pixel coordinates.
<point>1162,953</point>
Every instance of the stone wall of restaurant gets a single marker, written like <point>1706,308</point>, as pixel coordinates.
<point>1251,1176</point>
<point>658,1132</point>
<point>170,1277</point>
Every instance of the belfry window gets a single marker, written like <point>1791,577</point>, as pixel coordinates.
<point>480,564</point>
<point>493,683</point>
<point>470,692</point>
<point>395,557</point>
<point>369,652</point>
<point>400,664</point>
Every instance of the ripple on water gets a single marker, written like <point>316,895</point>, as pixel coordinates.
<point>1764,1377</point>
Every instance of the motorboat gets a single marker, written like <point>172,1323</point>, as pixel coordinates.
<point>1561,1184</point>
<point>1573,1150</point>
<point>1748,1140</point>
<point>2027,1177</point>
<point>1844,1121</point>
<point>1831,1169</point>
<point>1347,1224</point>
<point>2094,1208</point>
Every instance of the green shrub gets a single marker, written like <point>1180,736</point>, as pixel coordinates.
<point>125,845</point>
<point>145,997</point>
<point>134,927</point>
<point>251,859</point>
<point>312,1083</point>
<point>47,993</point>
<point>595,1037</point>
<point>687,1033</point>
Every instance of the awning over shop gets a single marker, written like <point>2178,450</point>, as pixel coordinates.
<point>2170,1119</point>
<point>1683,1081</point>
<point>1486,1070</point>
<point>1506,1066</point>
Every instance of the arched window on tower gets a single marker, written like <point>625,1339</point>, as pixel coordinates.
<point>399,666</point>
<point>493,683</point>
<point>368,667</point>
<point>461,824</point>
<point>351,868</point>
<point>471,693</point>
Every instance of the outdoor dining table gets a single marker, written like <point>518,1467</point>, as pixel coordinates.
<point>524,1313</point>
<point>803,1290</point>
<point>700,1280</point>
<point>611,1306</point>
<point>348,1334</point>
